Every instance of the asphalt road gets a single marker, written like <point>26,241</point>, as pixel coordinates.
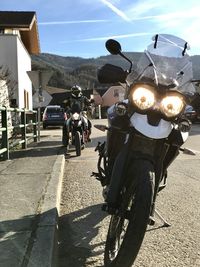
<point>83,226</point>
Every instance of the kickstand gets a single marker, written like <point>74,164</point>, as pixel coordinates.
<point>165,223</point>
<point>152,220</point>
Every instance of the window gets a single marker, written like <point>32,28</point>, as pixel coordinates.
<point>26,99</point>
<point>13,103</point>
<point>8,31</point>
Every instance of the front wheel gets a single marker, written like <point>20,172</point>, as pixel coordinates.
<point>65,136</point>
<point>127,228</point>
<point>77,143</point>
<point>44,126</point>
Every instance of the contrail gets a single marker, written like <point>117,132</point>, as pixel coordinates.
<point>115,10</point>
<point>167,16</point>
<point>110,37</point>
<point>72,22</point>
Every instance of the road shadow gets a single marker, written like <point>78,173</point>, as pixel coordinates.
<point>40,149</point>
<point>18,237</point>
<point>14,234</point>
<point>71,151</point>
<point>75,246</point>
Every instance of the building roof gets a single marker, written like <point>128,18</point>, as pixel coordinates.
<point>26,23</point>
<point>16,19</point>
<point>54,90</point>
<point>61,94</point>
<point>59,98</point>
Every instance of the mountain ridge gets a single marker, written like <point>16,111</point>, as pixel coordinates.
<point>68,71</point>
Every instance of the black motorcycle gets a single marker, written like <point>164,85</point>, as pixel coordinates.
<point>145,133</point>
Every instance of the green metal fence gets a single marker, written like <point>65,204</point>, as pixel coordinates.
<point>20,132</point>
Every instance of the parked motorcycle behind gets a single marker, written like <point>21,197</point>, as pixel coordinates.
<point>145,133</point>
<point>75,131</point>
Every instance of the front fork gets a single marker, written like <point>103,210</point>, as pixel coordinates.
<point>170,152</point>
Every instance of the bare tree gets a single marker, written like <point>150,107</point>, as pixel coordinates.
<point>8,87</point>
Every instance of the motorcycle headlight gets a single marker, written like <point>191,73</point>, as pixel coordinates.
<point>143,96</point>
<point>172,105</point>
<point>75,116</point>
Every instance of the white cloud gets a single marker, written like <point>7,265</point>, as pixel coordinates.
<point>144,7</point>
<point>165,15</point>
<point>179,18</point>
<point>117,11</point>
<point>191,34</point>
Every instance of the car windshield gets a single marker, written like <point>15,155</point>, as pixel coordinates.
<point>166,62</point>
<point>54,110</point>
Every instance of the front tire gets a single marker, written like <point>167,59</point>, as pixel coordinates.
<point>77,142</point>
<point>44,126</point>
<point>65,136</point>
<point>127,228</point>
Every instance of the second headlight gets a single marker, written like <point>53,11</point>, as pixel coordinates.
<point>172,105</point>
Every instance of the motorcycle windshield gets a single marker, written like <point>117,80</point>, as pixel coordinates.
<point>166,63</point>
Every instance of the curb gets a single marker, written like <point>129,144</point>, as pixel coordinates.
<point>44,249</point>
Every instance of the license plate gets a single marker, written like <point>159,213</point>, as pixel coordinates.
<point>55,116</point>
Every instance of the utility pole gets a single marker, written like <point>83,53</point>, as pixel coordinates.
<point>40,100</point>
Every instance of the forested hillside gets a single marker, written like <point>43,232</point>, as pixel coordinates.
<point>68,71</point>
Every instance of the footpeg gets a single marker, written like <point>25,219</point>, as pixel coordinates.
<point>96,175</point>
<point>99,177</point>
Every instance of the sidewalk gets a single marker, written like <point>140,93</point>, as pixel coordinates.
<point>30,185</point>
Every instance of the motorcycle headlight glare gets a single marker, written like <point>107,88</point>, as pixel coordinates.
<point>143,97</point>
<point>172,105</point>
<point>75,116</point>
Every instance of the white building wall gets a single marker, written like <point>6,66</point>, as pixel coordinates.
<point>8,53</point>
<point>24,65</point>
<point>14,56</point>
<point>8,57</point>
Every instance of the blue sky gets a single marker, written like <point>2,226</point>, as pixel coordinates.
<point>81,27</point>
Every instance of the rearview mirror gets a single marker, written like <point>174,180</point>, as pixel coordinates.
<point>113,47</point>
